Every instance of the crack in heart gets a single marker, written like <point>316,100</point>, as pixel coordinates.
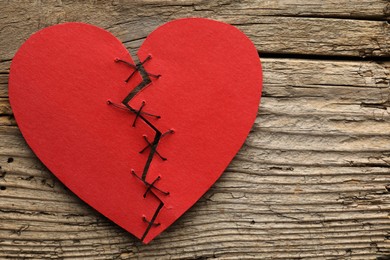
<point>146,80</point>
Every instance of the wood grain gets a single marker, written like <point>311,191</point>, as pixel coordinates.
<point>313,176</point>
<point>282,27</point>
<point>311,181</point>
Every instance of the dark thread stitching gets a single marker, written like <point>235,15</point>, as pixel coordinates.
<point>145,81</point>
<point>137,67</point>
<point>153,146</point>
<point>120,106</point>
<point>150,185</point>
<point>147,221</point>
<point>138,113</point>
<point>149,144</point>
<point>153,219</point>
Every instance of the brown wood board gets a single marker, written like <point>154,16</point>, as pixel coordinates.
<point>312,180</point>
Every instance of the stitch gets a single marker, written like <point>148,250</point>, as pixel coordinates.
<point>170,131</point>
<point>149,144</point>
<point>153,224</point>
<point>138,113</point>
<point>120,106</point>
<point>137,67</point>
<point>153,145</point>
<point>149,185</point>
<point>153,219</point>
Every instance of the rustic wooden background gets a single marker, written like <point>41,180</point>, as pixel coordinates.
<point>311,182</point>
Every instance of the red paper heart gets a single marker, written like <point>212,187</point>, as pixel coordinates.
<point>208,92</point>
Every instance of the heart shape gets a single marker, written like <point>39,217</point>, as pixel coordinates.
<point>207,96</point>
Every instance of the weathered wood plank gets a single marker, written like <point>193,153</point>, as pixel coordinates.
<point>274,26</point>
<point>365,9</point>
<point>311,181</point>
<point>292,35</point>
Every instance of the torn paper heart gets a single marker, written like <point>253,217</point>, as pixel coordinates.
<point>148,154</point>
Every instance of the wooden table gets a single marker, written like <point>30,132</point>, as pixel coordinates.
<point>313,178</point>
